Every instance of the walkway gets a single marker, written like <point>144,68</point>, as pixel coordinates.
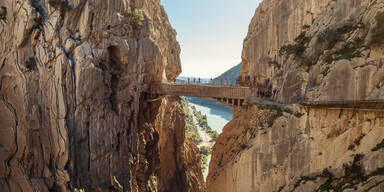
<point>363,105</point>
<point>237,96</point>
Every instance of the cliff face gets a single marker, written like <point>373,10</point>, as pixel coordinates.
<point>316,150</point>
<point>302,45</point>
<point>73,112</point>
<point>312,50</point>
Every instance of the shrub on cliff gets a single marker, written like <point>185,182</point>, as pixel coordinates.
<point>137,17</point>
<point>378,31</point>
<point>330,37</point>
<point>296,49</point>
<point>205,150</point>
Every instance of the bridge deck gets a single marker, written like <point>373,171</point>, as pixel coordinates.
<point>206,91</point>
<point>238,95</point>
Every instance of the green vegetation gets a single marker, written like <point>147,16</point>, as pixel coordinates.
<point>202,121</point>
<point>137,17</point>
<point>349,51</point>
<point>303,39</point>
<point>298,48</point>
<point>379,146</point>
<point>378,31</point>
<point>205,152</point>
<point>190,127</point>
<point>191,131</point>
<point>353,176</point>
<point>277,112</point>
<point>325,71</point>
<point>328,59</point>
<point>330,37</point>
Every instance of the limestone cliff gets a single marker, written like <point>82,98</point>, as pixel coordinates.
<point>73,109</point>
<point>302,45</point>
<point>312,150</point>
<point>312,50</point>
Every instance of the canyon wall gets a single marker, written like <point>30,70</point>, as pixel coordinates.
<point>311,50</point>
<point>302,45</point>
<point>317,149</point>
<point>74,114</point>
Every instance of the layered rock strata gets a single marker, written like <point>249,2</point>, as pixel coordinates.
<point>73,110</point>
<point>316,51</point>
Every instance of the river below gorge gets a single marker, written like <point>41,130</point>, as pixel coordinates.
<point>218,115</point>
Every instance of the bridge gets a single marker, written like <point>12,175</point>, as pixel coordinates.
<point>238,96</point>
<point>234,96</point>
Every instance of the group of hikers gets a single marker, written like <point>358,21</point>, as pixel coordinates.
<point>269,90</point>
<point>211,82</point>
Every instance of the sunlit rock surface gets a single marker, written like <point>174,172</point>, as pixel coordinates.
<point>312,50</point>
<point>73,114</point>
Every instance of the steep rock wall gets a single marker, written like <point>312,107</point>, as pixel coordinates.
<point>73,110</point>
<point>299,153</point>
<point>312,50</point>
<point>304,45</point>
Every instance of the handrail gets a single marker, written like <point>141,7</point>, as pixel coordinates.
<point>219,92</point>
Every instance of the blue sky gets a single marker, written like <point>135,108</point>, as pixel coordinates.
<point>210,33</point>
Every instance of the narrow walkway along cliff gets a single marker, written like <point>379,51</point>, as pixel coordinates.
<point>86,102</point>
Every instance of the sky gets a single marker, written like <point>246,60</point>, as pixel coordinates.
<point>210,33</point>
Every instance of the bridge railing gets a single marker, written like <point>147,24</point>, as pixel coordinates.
<point>200,90</point>
<point>210,83</point>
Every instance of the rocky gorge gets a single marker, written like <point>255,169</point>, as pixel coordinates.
<point>312,51</point>
<point>74,115</point>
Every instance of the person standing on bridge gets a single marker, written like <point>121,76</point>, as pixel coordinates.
<point>199,80</point>
<point>194,80</point>
<point>188,80</point>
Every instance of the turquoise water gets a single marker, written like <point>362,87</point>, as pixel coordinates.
<point>217,118</point>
